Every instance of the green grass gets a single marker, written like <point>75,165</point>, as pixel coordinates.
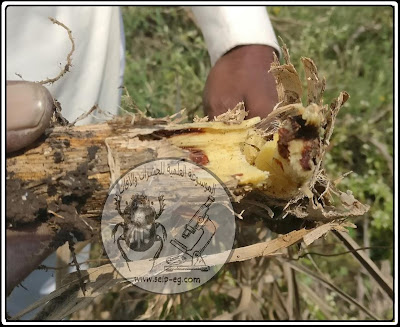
<point>167,61</point>
<point>167,66</point>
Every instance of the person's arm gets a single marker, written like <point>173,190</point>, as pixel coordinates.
<point>241,43</point>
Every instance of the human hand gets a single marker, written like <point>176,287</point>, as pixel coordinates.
<point>29,109</point>
<point>26,248</point>
<point>241,75</point>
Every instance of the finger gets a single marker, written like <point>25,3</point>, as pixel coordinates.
<point>220,92</point>
<point>220,105</point>
<point>259,106</point>
<point>262,98</point>
<point>29,108</point>
<point>25,250</point>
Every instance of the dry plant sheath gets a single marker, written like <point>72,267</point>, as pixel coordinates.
<point>272,167</point>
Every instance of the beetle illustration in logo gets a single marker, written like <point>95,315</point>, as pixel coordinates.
<point>140,228</point>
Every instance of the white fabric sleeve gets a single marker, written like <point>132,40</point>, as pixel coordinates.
<point>37,49</point>
<point>227,27</point>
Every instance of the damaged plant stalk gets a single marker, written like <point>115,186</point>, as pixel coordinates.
<point>269,166</point>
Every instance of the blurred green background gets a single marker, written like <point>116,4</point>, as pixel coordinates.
<point>166,69</point>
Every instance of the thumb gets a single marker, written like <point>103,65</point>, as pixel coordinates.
<point>29,108</point>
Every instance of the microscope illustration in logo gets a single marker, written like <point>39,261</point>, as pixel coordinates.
<point>194,239</point>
